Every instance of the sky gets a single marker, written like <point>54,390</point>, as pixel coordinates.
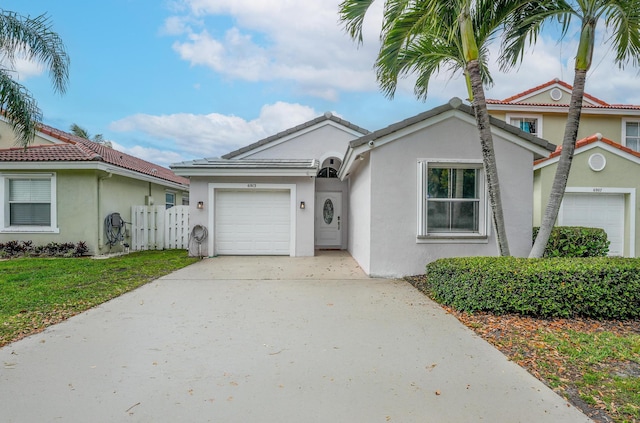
<point>175,80</point>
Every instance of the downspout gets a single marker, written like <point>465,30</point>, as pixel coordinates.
<point>100,232</point>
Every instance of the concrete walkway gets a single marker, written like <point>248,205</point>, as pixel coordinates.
<point>269,339</point>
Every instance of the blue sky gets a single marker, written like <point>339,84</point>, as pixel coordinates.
<point>175,80</point>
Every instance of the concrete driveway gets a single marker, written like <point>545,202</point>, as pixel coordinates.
<point>269,339</point>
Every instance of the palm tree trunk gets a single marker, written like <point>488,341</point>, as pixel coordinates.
<point>564,165</point>
<point>488,155</point>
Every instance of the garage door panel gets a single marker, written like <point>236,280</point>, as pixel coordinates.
<point>604,211</point>
<point>253,222</point>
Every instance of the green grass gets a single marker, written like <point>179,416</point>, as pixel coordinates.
<point>38,292</point>
<point>607,367</point>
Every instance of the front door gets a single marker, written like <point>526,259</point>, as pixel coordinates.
<point>329,219</point>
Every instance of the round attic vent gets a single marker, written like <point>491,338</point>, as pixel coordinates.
<point>555,94</point>
<point>597,162</point>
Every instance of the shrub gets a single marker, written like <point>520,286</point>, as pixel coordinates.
<point>13,249</point>
<point>575,241</point>
<point>596,287</point>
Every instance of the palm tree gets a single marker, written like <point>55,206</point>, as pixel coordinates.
<point>421,36</point>
<point>79,131</point>
<point>622,20</point>
<point>34,39</point>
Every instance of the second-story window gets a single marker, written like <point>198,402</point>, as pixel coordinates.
<point>631,134</point>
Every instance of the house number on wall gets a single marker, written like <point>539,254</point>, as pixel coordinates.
<point>597,190</point>
<point>251,185</point>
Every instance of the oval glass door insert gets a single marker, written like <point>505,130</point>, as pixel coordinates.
<point>327,211</point>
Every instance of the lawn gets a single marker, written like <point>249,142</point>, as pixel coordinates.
<point>39,292</point>
<point>594,364</point>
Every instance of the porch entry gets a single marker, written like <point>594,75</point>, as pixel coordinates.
<point>328,219</point>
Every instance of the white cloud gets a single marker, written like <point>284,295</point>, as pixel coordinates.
<point>303,45</point>
<point>282,40</point>
<point>23,68</point>
<point>211,135</point>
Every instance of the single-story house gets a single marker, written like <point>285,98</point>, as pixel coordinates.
<point>601,191</point>
<point>62,187</point>
<point>396,198</point>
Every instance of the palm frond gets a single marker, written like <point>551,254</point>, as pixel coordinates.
<point>623,20</point>
<point>19,108</point>
<point>35,38</point>
<point>524,24</point>
<point>352,14</point>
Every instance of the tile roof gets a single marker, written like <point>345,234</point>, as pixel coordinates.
<point>77,149</point>
<point>599,104</point>
<point>324,117</point>
<point>547,85</point>
<point>590,140</point>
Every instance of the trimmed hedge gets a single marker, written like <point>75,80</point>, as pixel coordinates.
<point>602,288</point>
<point>575,241</point>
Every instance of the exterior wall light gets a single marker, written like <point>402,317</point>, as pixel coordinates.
<point>200,205</point>
<point>302,205</point>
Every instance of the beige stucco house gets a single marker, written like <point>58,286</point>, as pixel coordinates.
<point>62,187</point>
<point>605,174</point>
<point>396,198</point>
<point>542,111</point>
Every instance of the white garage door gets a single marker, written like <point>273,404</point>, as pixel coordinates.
<point>252,222</point>
<point>604,211</point>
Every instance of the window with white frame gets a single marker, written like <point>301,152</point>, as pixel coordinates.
<point>29,202</point>
<point>452,200</point>
<point>631,134</point>
<point>531,124</point>
<point>170,199</point>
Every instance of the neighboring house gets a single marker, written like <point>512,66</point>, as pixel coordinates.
<point>601,190</point>
<point>396,198</point>
<point>62,187</point>
<point>543,110</point>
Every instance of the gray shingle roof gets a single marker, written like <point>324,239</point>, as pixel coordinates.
<point>324,117</point>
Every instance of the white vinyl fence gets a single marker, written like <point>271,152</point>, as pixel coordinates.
<point>157,228</point>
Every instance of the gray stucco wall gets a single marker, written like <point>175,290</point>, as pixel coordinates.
<point>360,214</point>
<point>201,190</point>
<point>395,250</point>
<point>320,143</point>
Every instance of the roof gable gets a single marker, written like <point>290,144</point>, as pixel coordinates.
<point>585,144</point>
<point>453,104</point>
<point>326,119</point>
<point>455,107</point>
<point>77,149</point>
<point>540,98</point>
<point>548,87</point>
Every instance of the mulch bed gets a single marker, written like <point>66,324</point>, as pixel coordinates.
<point>520,338</point>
